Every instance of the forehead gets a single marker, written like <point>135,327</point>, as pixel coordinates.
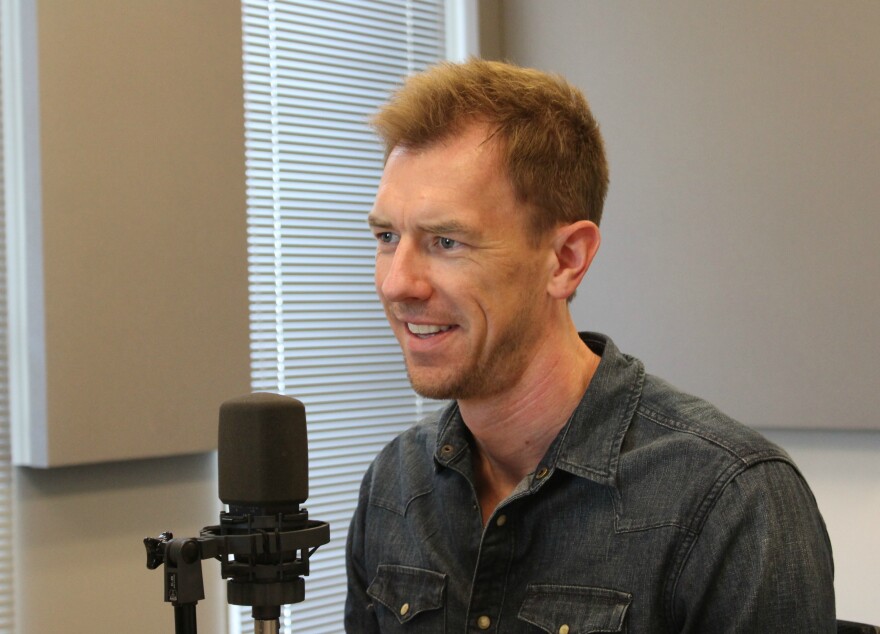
<point>472,151</point>
<point>462,172</point>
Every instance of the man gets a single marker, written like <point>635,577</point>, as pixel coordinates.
<point>563,489</point>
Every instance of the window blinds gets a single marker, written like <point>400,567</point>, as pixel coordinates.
<point>314,72</point>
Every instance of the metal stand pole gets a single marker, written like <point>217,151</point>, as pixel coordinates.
<point>271,626</point>
<point>185,619</point>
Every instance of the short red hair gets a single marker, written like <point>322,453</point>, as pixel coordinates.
<point>550,143</point>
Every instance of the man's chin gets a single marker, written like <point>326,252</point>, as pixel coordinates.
<point>434,391</point>
<point>461,386</point>
<point>433,386</point>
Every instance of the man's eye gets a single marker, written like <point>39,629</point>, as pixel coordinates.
<point>447,243</point>
<point>385,236</point>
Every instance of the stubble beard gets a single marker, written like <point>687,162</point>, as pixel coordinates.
<point>487,373</point>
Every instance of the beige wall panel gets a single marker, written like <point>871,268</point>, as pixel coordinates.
<point>739,256</point>
<point>144,225</point>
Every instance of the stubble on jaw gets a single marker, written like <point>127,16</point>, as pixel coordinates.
<point>492,371</point>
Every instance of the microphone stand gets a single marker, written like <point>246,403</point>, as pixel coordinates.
<point>269,553</point>
<point>264,540</point>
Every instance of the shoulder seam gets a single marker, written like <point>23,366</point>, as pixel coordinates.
<point>768,452</point>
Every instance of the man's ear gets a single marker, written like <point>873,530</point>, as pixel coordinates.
<point>574,247</point>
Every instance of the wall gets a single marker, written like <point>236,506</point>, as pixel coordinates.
<point>743,148</point>
<point>738,254</point>
<point>80,561</point>
<point>143,175</point>
<point>143,218</point>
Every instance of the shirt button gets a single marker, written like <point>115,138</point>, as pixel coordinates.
<point>542,472</point>
<point>501,521</point>
<point>484,622</point>
<point>447,449</point>
<point>405,608</point>
<point>563,629</point>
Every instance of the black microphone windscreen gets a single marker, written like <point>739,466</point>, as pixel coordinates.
<point>262,454</point>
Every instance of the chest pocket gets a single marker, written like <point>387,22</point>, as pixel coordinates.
<point>409,594</point>
<point>559,609</point>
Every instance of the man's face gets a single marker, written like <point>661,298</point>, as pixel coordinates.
<point>463,286</point>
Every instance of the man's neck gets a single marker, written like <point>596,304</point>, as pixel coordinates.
<point>512,431</point>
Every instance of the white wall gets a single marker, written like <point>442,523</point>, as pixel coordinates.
<point>739,256</point>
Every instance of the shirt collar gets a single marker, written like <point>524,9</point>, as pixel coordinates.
<point>589,444</point>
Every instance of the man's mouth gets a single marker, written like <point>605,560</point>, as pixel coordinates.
<point>426,330</point>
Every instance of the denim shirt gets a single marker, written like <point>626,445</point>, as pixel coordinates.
<point>650,512</point>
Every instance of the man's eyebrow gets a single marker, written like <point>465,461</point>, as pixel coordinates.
<point>378,223</point>
<point>447,227</point>
<point>443,227</point>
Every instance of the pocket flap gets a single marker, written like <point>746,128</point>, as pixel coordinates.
<point>407,591</point>
<point>574,609</point>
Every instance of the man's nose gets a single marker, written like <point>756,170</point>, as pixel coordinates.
<point>403,275</point>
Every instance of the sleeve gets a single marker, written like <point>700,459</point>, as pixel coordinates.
<point>761,561</point>
<point>360,617</point>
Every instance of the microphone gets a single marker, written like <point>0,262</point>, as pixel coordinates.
<point>263,453</point>
<point>265,538</point>
<point>263,471</point>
